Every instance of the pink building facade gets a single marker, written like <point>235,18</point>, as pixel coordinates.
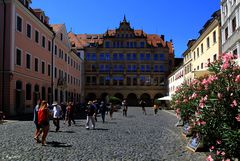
<point>36,59</point>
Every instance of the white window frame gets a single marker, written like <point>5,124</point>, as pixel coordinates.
<point>16,56</point>
<point>17,15</point>
<point>28,23</point>
<point>27,53</point>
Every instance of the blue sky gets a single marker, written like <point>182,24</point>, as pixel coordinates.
<point>179,20</point>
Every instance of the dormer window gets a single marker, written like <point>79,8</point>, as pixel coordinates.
<point>61,37</point>
<point>42,18</point>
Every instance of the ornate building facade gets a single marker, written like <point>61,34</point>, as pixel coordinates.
<point>125,63</point>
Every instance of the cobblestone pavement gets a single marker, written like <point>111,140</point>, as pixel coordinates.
<point>136,137</point>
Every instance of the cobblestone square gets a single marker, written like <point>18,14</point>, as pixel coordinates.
<point>136,137</point>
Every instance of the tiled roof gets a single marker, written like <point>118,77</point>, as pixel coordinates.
<point>83,40</point>
<point>56,27</point>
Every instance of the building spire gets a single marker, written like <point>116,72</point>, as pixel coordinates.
<point>124,18</point>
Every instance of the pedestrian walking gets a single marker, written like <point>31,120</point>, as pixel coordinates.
<point>111,110</point>
<point>143,104</point>
<point>91,112</point>
<point>70,114</point>
<point>35,120</point>
<point>96,106</point>
<point>125,108</point>
<point>57,113</point>
<point>103,109</point>
<point>64,110</point>
<point>155,108</point>
<point>43,120</point>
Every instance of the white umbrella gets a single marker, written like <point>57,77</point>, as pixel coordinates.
<point>165,98</point>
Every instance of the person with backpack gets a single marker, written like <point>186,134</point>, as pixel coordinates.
<point>43,120</point>
<point>56,115</point>
<point>35,120</point>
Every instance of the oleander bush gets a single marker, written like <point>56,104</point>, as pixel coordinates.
<point>212,105</point>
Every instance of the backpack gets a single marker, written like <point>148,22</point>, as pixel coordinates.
<point>42,115</point>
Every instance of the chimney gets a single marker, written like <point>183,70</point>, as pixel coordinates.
<point>46,20</point>
<point>162,36</point>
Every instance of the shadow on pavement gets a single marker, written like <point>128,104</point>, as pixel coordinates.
<point>58,144</point>
<point>102,129</point>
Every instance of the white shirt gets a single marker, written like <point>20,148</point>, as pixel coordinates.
<point>56,111</point>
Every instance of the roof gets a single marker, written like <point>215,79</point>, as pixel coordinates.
<point>56,27</point>
<point>83,40</point>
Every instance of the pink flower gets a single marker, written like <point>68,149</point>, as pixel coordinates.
<point>237,79</point>
<point>219,142</point>
<point>223,153</point>
<point>220,95</point>
<point>201,104</point>
<point>212,147</point>
<point>218,152</point>
<point>238,117</point>
<point>203,123</point>
<point>194,95</point>
<point>185,100</point>
<point>209,158</point>
<point>225,66</point>
<point>234,103</point>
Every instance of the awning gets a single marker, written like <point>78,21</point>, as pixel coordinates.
<point>166,98</point>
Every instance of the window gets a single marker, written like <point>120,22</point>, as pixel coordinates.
<point>161,68</point>
<point>49,69</point>
<point>194,55</point>
<point>148,68</point>
<point>28,91</point>
<point>201,65</point>
<point>162,57</point>
<point>214,37</point>
<point>202,48</point>
<point>28,61</point>
<point>129,56</point>
<point>142,56</point>
<point>226,33</point>
<point>156,68</point>
<point>61,36</point>
<point>142,44</point>
<point>129,81</point>
<point>155,57</point>
<point>36,36</point>
<point>65,57</point>
<point>208,43</point>
<point>107,56</point>
<point>94,56</point>
<point>142,68</point>
<point>197,52</point>
<point>148,56</point>
<point>18,57</point>
<point>55,49</point>
<point>107,44</point>
<point>214,57</point>
<point>234,24</point>
<point>49,46</point>
<point>88,57</point>
<point>19,24</point>
<point>115,56</point>
<point>121,56</point>
<point>101,80</point>
<point>134,56</point>
<point>134,80</point>
<point>43,67</point>
<point>101,56</point>
<point>29,31</point>
<point>43,41</point>
<point>43,93</point>
<point>36,65</point>
<point>235,53</point>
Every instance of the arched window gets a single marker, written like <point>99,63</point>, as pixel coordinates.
<point>28,91</point>
<point>43,93</point>
<point>18,85</point>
